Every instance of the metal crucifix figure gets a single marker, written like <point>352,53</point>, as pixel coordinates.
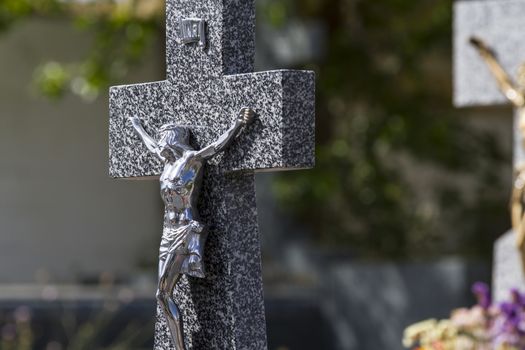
<point>515,93</point>
<point>184,236</point>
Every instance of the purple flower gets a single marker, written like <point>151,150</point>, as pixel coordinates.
<point>482,293</point>
<point>508,327</point>
<point>517,297</point>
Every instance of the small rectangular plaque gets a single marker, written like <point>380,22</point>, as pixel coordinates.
<point>192,30</point>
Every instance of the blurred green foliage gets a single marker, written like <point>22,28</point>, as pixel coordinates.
<point>122,32</point>
<point>13,10</point>
<point>384,113</point>
<point>385,120</point>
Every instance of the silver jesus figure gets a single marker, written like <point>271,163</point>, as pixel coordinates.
<point>183,239</point>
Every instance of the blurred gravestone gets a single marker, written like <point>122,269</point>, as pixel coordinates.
<point>499,23</point>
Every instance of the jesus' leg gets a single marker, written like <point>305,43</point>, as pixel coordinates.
<point>196,242</point>
<point>170,274</point>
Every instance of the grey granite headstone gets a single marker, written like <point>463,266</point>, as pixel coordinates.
<point>508,270</point>
<point>205,89</point>
<point>499,23</point>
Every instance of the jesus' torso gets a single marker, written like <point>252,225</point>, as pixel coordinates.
<point>180,184</point>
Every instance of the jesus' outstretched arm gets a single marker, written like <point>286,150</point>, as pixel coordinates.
<point>507,86</point>
<point>150,143</point>
<point>245,117</point>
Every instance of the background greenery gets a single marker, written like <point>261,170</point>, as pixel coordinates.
<point>384,101</point>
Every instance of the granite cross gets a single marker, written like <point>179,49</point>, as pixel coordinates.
<point>206,86</point>
<point>499,23</point>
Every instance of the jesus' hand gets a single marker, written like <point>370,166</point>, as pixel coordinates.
<point>246,116</point>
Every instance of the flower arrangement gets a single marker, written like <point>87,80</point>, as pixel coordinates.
<point>485,326</point>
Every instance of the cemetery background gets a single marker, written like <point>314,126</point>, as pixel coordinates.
<point>405,186</point>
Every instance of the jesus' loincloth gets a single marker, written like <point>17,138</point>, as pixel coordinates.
<point>185,240</point>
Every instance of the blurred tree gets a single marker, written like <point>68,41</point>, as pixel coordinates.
<point>384,100</point>
<point>122,31</point>
<point>384,103</point>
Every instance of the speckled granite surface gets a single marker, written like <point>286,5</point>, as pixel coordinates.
<point>205,89</point>
<point>508,270</point>
<point>500,24</point>
<point>281,137</point>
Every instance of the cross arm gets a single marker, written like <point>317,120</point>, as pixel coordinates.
<point>281,137</point>
<point>127,152</point>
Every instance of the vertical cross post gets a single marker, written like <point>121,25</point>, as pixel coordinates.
<point>206,86</point>
<point>499,23</point>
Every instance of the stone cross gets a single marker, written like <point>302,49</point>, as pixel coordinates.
<point>207,84</point>
<point>499,23</point>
